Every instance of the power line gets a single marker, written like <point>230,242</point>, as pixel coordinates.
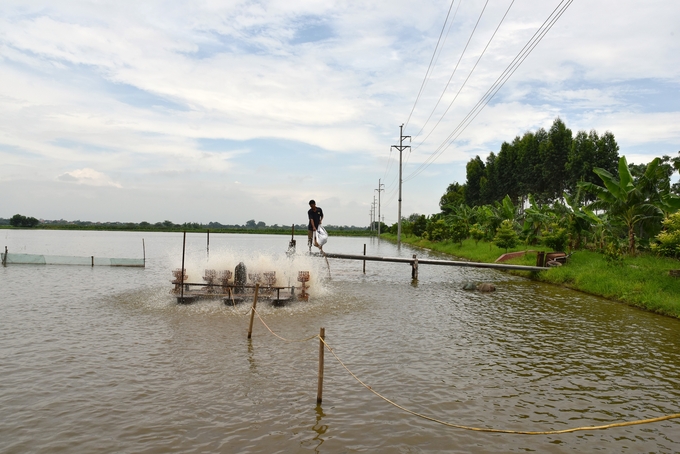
<point>496,86</point>
<point>434,54</point>
<point>469,74</point>
<point>454,69</point>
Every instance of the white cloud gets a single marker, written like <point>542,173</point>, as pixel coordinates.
<point>133,90</point>
<point>88,177</point>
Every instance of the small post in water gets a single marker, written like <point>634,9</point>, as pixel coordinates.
<point>364,260</point>
<point>208,244</point>
<point>319,389</point>
<point>92,257</point>
<point>184,243</point>
<point>252,311</point>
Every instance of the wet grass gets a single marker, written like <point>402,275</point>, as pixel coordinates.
<point>642,281</point>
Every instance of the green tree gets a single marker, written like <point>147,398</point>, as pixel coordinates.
<point>19,220</point>
<point>419,225</point>
<point>474,170</point>
<point>454,196</point>
<point>554,156</point>
<point>587,152</point>
<point>477,233</point>
<point>506,237</point>
<point>630,201</point>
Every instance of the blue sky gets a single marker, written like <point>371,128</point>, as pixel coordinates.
<point>234,110</point>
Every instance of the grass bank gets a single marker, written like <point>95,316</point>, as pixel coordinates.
<point>642,281</point>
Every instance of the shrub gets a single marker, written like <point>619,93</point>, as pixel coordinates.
<point>555,237</point>
<point>506,237</point>
<point>668,241</point>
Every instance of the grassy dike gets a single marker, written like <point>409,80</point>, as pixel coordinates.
<point>641,281</point>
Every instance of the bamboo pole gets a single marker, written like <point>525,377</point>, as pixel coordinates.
<point>364,256</point>
<point>92,258</point>
<point>252,312</point>
<point>319,388</point>
<point>144,251</point>
<point>208,244</point>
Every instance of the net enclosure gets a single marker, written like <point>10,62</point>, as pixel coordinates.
<point>40,259</point>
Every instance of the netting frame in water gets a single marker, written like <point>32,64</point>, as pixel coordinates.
<point>41,259</point>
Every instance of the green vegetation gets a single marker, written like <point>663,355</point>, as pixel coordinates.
<point>22,221</point>
<point>642,281</point>
<point>551,191</point>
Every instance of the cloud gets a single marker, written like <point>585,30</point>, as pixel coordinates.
<point>304,99</point>
<point>88,177</point>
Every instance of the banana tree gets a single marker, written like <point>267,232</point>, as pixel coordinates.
<point>536,217</point>
<point>628,200</point>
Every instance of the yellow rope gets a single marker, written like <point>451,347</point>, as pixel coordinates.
<point>505,431</point>
<point>233,305</point>
<point>282,338</point>
<point>459,426</point>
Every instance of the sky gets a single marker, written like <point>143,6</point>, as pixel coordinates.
<point>226,111</point>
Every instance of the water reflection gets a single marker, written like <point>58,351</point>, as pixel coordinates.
<point>319,428</point>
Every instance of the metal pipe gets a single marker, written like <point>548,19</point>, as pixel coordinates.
<point>498,266</point>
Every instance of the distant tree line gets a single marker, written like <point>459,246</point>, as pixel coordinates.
<point>563,191</point>
<point>19,220</point>
<point>22,221</point>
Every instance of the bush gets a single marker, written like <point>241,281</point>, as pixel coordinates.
<point>477,232</point>
<point>506,237</point>
<point>437,231</point>
<point>555,237</point>
<point>420,225</point>
<point>668,241</point>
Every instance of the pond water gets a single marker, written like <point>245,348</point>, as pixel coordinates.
<point>100,359</point>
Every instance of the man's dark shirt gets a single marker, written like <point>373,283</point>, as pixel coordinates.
<point>314,216</point>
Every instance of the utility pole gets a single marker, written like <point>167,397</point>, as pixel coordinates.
<point>401,148</point>
<point>374,204</point>
<point>380,188</point>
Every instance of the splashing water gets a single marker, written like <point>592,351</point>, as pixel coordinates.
<point>286,267</point>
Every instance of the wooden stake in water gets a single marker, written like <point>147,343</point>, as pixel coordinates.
<point>252,312</point>
<point>207,246</point>
<point>364,260</point>
<point>184,243</point>
<point>319,388</point>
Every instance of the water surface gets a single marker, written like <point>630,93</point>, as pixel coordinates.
<point>104,360</point>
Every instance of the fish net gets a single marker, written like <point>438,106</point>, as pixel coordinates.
<point>39,259</point>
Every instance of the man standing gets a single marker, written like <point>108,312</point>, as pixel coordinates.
<point>315,215</point>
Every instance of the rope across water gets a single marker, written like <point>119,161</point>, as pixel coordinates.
<point>460,426</point>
